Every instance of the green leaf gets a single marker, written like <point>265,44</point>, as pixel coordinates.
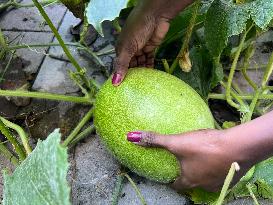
<point>200,76</point>
<point>261,12</point>
<point>199,196</point>
<point>228,124</point>
<point>264,171</point>
<point>261,182</point>
<point>217,72</point>
<point>98,11</point>
<point>223,20</point>
<point>41,178</point>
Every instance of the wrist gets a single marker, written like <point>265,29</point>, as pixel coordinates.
<point>252,142</point>
<point>238,148</point>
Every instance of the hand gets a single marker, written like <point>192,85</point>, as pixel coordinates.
<point>144,30</point>
<point>205,156</point>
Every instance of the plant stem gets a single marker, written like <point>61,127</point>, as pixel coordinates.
<point>252,194</point>
<point>16,145</point>
<point>118,189</point>
<point>248,55</point>
<point>186,40</point>
<point>16,47</point>
<point>232,71</point>
<point>7,66</point>
<point>268,71</point>
<point>135,188</point>
<point>166,65</point>
<point>18,5</point>
<point>59,38</point>
<point>101,53</point>
<point>6,153</point>
<point>3,45</point>
<point>235,86</point>
<point>243,97</point>
<point>48,96</point>
<point>85,30</point>
<point>252,106</point>
<point>22,134</point>
<point>234,167</point>
<point>82,135</point>
<point>77,129</point>
<point>234,95</point>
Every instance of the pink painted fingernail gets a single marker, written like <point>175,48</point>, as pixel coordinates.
<point>116,79</point>
<point>134,136</point>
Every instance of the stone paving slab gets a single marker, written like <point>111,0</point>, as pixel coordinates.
<point>32,56</point>
<point>95,174</point>
<point>153,193</point>
<point>84,59</point>
<point>95,177</point>
<point>64,31</point>
<point>29,19</point>
<point>53,77</point>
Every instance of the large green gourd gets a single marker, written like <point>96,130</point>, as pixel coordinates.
<point>149,100</point>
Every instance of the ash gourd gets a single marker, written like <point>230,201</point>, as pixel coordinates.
<point>148,100</point>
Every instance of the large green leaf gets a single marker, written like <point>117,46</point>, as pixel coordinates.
<point>261,12</point>
<point>224,19</point>
<point>41,178</point>
<point>98,11</point>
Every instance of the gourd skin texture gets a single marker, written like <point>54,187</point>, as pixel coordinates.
<point>148,100</point>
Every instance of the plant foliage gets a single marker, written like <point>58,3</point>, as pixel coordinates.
<point>41,178</point>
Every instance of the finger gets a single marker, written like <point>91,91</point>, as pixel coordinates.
<point>141,61</point>
<point>150,63</point>
<point>135,34</point>
<point>149,139</point>
<point>133,62</point>
<point>121,65</point>
<point>181,184</point>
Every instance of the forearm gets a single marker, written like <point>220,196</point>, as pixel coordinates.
<point>254,140</point>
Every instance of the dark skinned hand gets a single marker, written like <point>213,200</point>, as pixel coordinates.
<point>206,156</point>
<point>144,30</point>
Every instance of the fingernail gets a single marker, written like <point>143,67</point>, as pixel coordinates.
<point>116,79</point>
<point>134,136</point>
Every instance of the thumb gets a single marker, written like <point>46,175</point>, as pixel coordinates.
<point>150,139</point>
<point>121,65</point>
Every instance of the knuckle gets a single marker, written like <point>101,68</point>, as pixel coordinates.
<point>119,65</point>
<point>149,138</point>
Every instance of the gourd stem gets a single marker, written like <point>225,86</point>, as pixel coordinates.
<point>77,129</point>
<point>243,96</point>
<point>232,71</point>
<point>22,134</point>
<point>59,38</point>
<point>252,194</point>
<point>234,167</point>
<point>187,38</point>
<point>82,135</point>
<point>6,153</point>
<point>136,189</point>
<point>48,96</point>
<point>16,145</point>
